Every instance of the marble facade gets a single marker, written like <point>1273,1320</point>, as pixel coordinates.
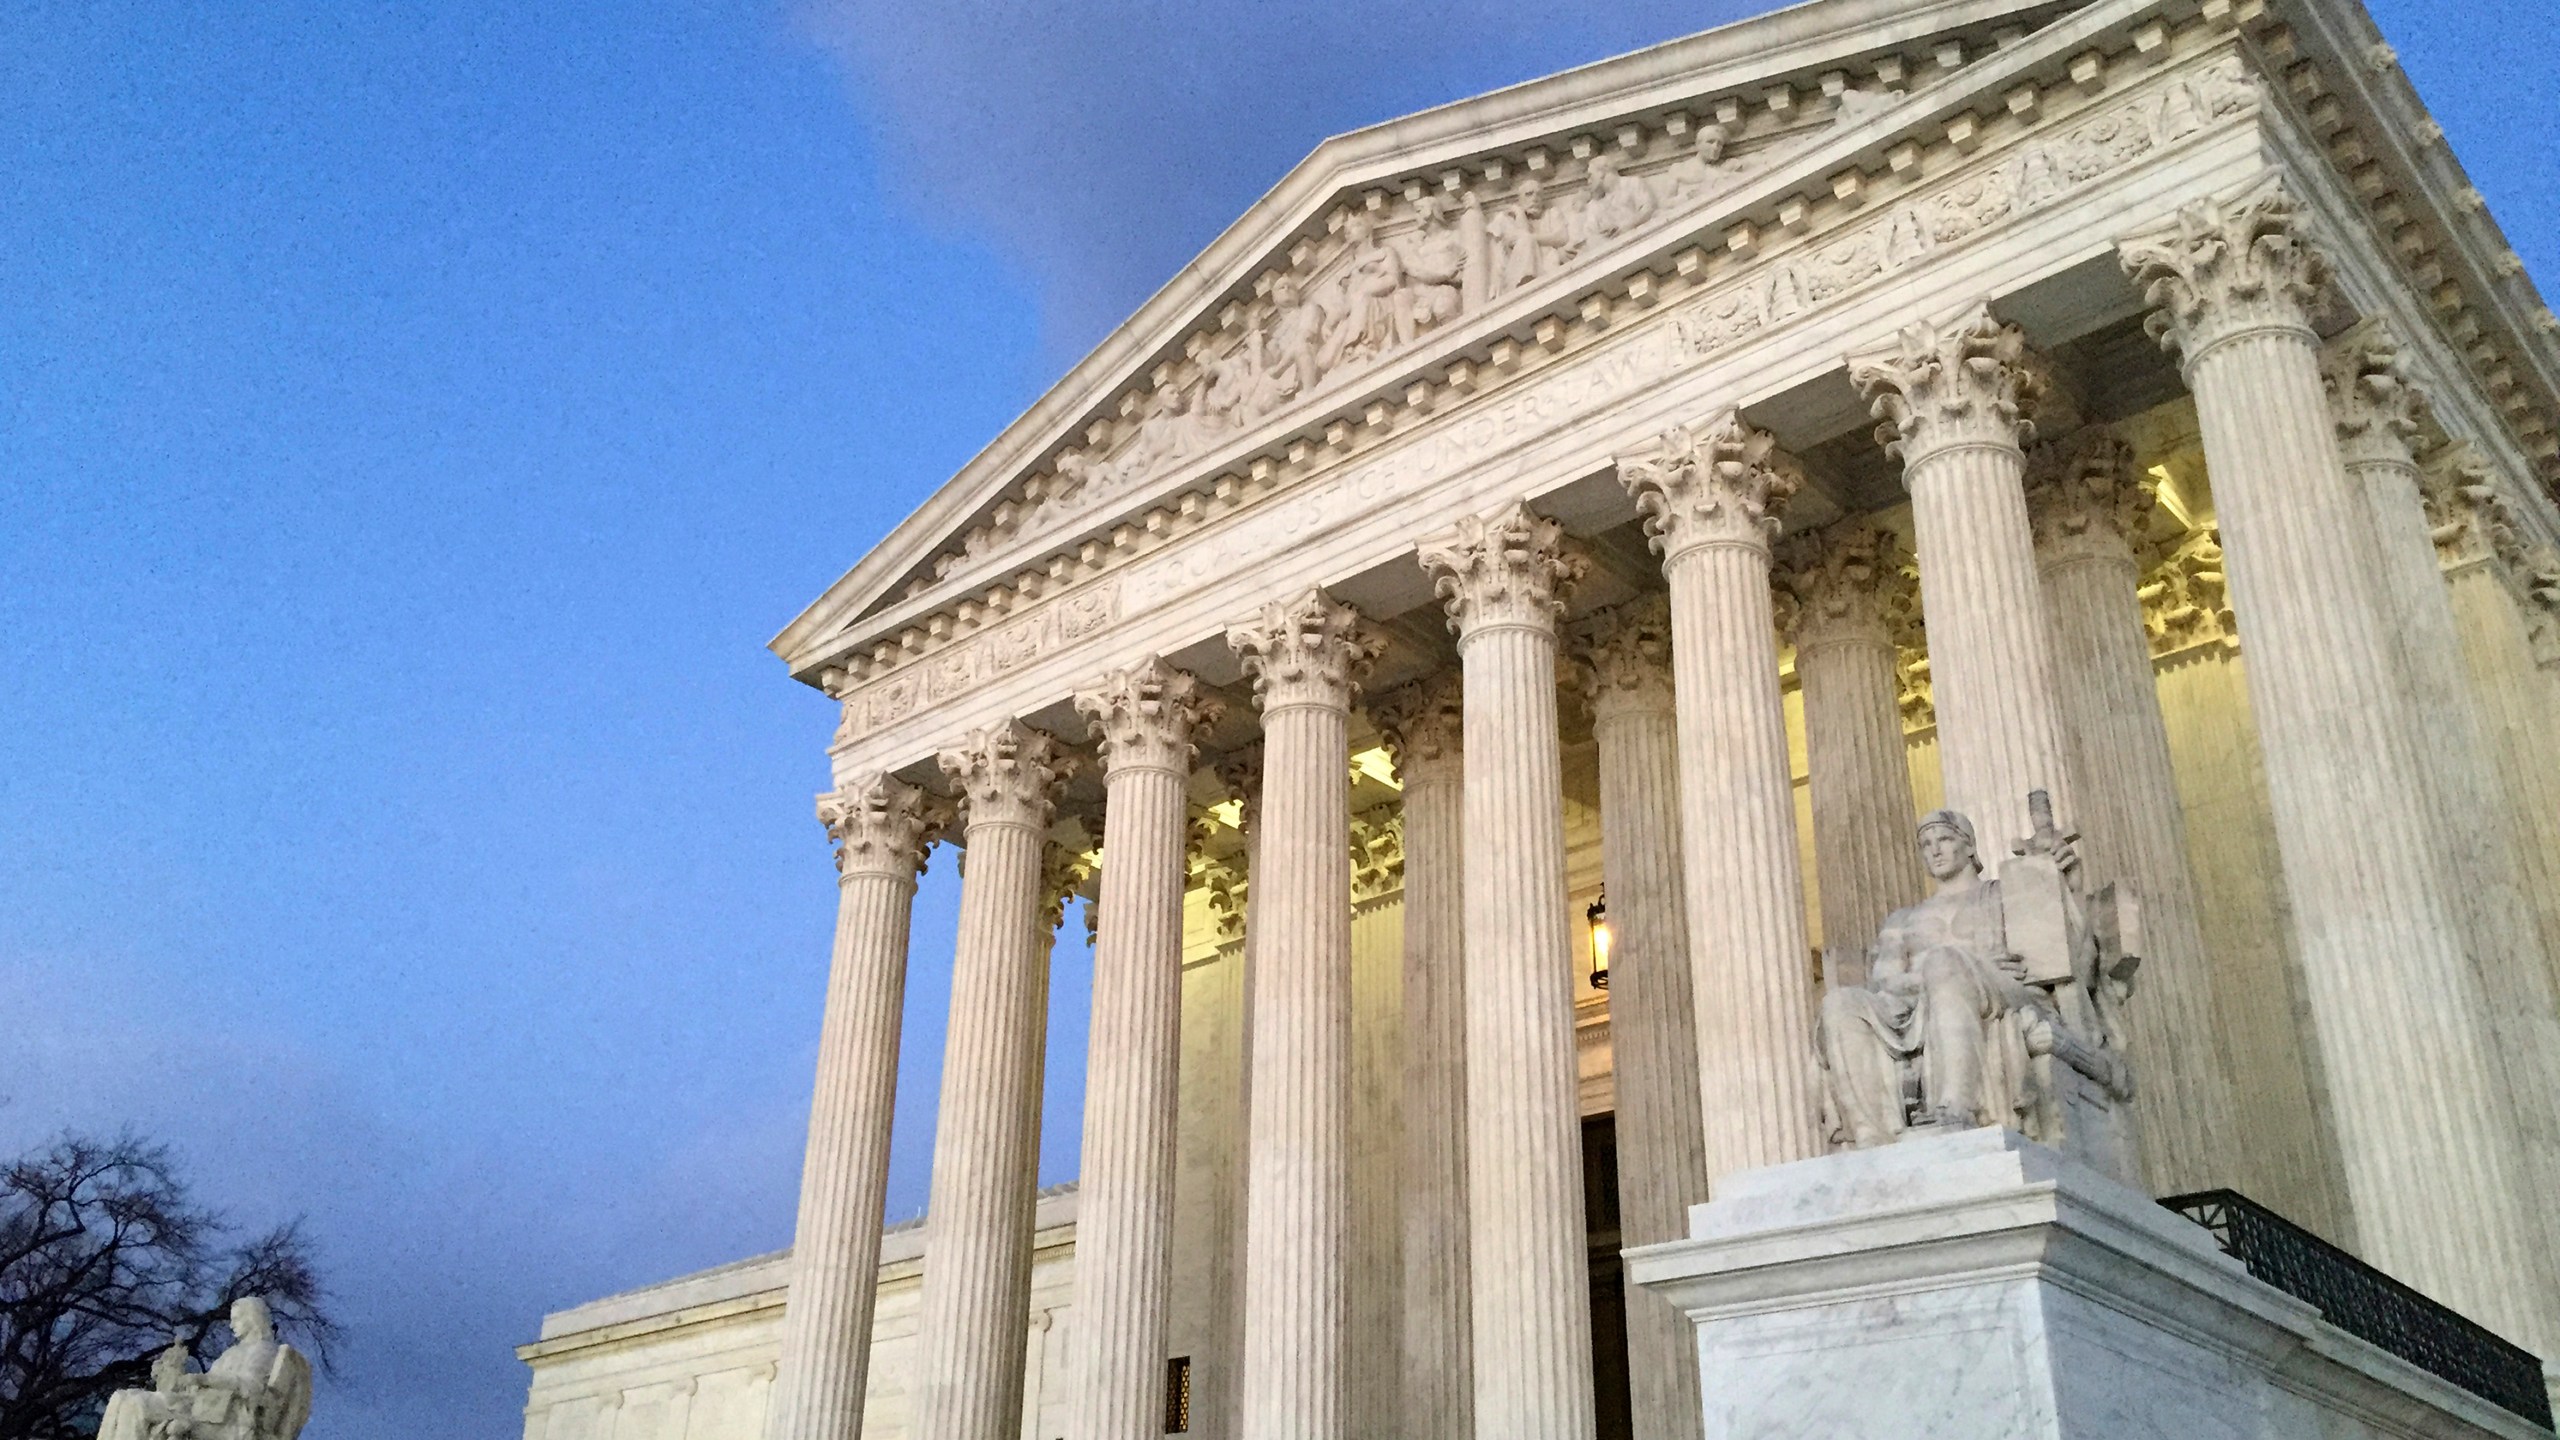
<point>1496,510</point>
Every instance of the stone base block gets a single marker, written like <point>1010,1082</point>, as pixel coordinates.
<point>1977,1286</point>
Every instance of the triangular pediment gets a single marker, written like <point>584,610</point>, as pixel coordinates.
<point>1381,243</point>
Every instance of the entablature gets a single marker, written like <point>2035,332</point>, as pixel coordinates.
<point>1844,171</point>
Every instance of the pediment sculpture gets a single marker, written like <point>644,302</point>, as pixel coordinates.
<point>1992,1002</point>
<point>258,1389</point>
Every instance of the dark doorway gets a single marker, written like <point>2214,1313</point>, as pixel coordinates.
<point>1608,1283</point>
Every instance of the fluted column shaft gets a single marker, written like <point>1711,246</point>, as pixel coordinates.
<point>1711,498</point>
<point>1530,1271</point>
<point>2396,1002</point>
<point>1842,589</point>
<point>881,828</point>
<point>1662,1156</point>
<point>1304,658</point>
<point>2378,414</point>
<point>1951,397</point>
<point>2086,499</point>
<point>977,1280</point>
<point>1124,1210</point>
<point>1423,730</point>
<point>2518,719</point>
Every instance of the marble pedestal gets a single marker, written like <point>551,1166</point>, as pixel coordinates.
<point>1978,1286</point>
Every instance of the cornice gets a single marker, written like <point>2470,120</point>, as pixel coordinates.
<point>1765,231</point>
<point>2341,86</point>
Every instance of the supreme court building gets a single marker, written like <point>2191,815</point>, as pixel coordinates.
<point>1618,507</point>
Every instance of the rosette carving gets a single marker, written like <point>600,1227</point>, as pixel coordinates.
<point>2228,266</point>
<point>1852,583</point>
<point>1510,570</point>
<point>1309,651</point>
<point>1423,725</point>
<point>1725,483</point>
<point>2378,410</point>
<point>1627,663</point>
<point>1008,774</point>
<point>1942,386</point>
<point>881,826</point>
<point>2086,499</point>
<point>1143,717</point>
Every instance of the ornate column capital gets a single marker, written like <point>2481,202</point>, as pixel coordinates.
<point>881,826</point>
<point>2378,409</point>
<point>2226,267</point>
<point>2086,499</point>
<point>1309,651</point>
<point>1240,771</point>
<point>1423,726</point>
<point>2472,519</point>
<point>1951,386</point>
<point>1851,583</point>
<point>1008,774</point>
<point>1506,571</point>
<point>1377,853</point>
<point>1143,717</point>
<point>1064,869</point>
<point>1724,483</point>
<point>2185,602</point>
<point>1626,663</point>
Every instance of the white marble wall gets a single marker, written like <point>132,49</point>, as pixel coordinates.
<point>693,1358</point>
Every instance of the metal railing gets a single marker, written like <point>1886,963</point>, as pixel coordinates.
<point>2370,1305</point>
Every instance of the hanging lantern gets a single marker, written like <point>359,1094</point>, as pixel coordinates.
<point>1601,939</point>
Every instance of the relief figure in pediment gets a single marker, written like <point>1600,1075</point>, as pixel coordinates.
<point>1530,238</point>
<point>1438,257</point>
<point>1377,310</point>
<point>1292,351</point>
<point>1614,204</point>
<point>1700,172</point>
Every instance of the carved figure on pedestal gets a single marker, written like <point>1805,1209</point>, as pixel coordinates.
<point>1435,267</point>
<point>1530,238</point>
<point>1992,1002</point>
<point>259,1389</point>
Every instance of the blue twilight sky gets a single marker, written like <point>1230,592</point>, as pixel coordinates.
<point>413,420</point>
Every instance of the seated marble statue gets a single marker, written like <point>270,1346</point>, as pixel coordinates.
<point>259,1389</point>
<point>1972,997</point>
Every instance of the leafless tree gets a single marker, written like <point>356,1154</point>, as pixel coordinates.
<point>105,1258</point>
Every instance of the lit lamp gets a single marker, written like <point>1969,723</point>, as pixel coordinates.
<point>1598,917</point>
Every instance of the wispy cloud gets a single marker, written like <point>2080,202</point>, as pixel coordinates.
<point>1100,145</point>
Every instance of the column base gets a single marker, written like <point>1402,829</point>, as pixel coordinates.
<point>1975,1285</point>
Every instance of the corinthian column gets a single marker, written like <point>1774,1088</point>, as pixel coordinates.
<point>1662,1154</point>
<point>2395,1000</point>
<point>2491,576</point>
<point>977,1279</point>
<point>1143,719</point>
<point>1711,497</point>
<point>1504,581</point>
<point>2379,414</point>
<point>2088,502</point>
<point>1423,730</point>
<point>1951,399</point>
<point>1306,658</point>
<point>881,828</point>
<point>1844,590</point>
